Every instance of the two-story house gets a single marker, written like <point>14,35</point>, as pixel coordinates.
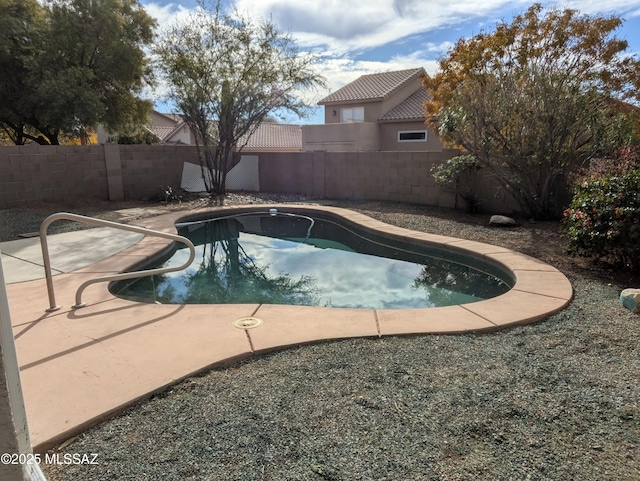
<point>376,112</point>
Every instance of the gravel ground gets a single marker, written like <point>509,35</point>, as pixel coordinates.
<point>557,400</point>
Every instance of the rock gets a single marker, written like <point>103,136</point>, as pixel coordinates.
<point>502,221</point>
<point>630,298</point>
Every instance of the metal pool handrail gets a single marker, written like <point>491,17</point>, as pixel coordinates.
<point>113,277</point>
<point>270,212</point>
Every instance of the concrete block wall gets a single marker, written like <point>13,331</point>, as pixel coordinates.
<point>145,168</point>
<point>394,176</point>
<point>287,172</point>
<point>36,173</point>
<point>51,173</point>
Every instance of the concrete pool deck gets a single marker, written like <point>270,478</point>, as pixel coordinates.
<point>80,366</point>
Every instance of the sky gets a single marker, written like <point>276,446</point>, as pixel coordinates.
<point>354,37</point>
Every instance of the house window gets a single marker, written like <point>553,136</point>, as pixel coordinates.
<point>412,136</point>
<point>353,114</point>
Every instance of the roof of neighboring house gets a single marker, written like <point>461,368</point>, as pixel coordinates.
<point>163,133</point>
<point>373,86</point>
<point>171,116</point>
<point>409,109</point>
<point>271,135</point>
<point>175,117</point>
<point>268,135</point>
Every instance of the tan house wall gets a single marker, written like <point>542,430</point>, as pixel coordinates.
<point>372,111</point>
<point>329,117</point>
<point>156,118</point>
<point>389,137</point>
<point>182,135</point>
<point>351,137</point>
<point>366,136</point>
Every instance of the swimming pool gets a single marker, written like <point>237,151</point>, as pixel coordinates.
<point>115,351</point>
<point>313,259</point>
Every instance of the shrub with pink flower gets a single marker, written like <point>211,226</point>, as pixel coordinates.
<point>603,220</point>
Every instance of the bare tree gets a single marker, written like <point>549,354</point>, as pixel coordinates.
<point>226,73</point>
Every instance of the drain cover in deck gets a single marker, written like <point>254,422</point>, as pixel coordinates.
<point>247,322</point>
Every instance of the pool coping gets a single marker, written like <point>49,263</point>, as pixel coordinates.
<point>79,367</point>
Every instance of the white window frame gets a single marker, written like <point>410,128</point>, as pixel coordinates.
<point>347,115</point>
<point>400,132</point>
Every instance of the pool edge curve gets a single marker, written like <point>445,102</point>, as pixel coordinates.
<point>96,361</point>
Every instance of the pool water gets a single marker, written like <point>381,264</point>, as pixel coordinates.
<point>293,259</point>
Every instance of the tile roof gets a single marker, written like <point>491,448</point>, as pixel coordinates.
<point>372,86</point>
<point>271,135</point>
<point>409,109</point>
<point>162,133</point>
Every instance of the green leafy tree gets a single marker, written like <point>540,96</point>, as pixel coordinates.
<point>226,73</point>
<point>141,137</point>
<point>533,98</point>
<point>459,173</point>
<point>22,23</point>
<point>80,63</point>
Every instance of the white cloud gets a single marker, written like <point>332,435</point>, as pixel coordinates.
<point>591,7</point>
<point>363,25</point>
<point>344,34</point>
<point>440,48</point>
<point>340,28</point>
<point>163,14</point>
